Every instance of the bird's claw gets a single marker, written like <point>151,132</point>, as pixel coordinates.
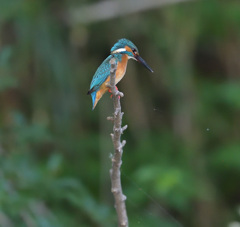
<point>117,96</point>
<point>110,91</point>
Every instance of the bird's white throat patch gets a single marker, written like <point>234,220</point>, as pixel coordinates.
<point>130,57</point>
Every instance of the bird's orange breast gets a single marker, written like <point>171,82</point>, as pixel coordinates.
<point>121,68</point>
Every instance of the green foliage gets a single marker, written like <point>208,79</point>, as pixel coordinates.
<point>181,163</point>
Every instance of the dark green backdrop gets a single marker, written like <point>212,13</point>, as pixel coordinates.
<point>181,163</point>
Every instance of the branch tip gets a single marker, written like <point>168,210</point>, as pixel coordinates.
<point>124,128</point>
<point>123,143</point>
<point>112,136</point>
<point>124,197</point>
<point>120,94</point>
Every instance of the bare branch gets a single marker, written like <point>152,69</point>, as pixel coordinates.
<point>108,9</point>
<point>115,172</point>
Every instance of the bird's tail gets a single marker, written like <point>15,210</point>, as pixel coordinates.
<point>97,95</point>
<point>94,101</point>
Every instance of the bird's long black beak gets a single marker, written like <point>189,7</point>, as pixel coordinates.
<point>139,59</point>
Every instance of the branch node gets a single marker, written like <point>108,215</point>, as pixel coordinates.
<point>110,118</point>
<point>118,130</point>
<point>124,224</point>
<point>111,171</point>
<point>115,190</point>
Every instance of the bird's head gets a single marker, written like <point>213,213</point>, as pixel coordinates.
<point>125,46</point>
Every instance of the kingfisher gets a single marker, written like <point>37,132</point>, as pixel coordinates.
<point>123,50</point>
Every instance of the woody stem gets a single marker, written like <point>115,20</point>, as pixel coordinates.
<point>115,171</point>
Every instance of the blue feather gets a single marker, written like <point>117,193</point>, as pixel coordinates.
<point>93,94</point>
<point>101,74</point>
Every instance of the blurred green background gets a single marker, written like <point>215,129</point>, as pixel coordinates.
<point>181,163</point>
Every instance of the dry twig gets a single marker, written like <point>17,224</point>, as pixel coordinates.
<point>115,172</point>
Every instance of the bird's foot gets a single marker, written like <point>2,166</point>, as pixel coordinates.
<point>118,96</point>
<point>110,91</point>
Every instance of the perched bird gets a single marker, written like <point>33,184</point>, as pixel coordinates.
<point>122,51</point>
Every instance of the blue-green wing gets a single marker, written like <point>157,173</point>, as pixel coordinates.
<point>101,74</point>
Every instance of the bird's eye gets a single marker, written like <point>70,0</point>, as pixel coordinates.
<point>134,50</point>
